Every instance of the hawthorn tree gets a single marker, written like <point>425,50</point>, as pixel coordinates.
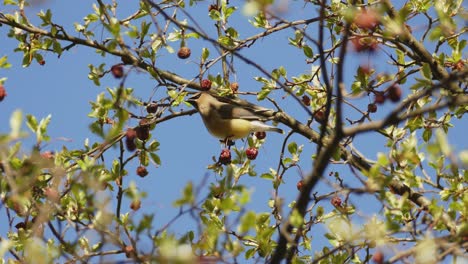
<point>362,70</point>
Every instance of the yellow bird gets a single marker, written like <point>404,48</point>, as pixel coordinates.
<point>228,121</point>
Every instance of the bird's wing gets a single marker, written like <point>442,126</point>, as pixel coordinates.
<point>228,111</point>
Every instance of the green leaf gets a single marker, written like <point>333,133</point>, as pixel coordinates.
<point>31,121</point>
<point>228,11</point>
<point>267,176</point>
<point>10,2</point>
<point>144,160</point>
<point>205,54</point>
<point>187,196</point>
<point>247,222</point>
<point>4,62</point>
<point>42,129</point>
<point>155,158</point>
<point>427,134</point>
<point>308,51</point>
<point>215,15</point>
<point>292,147</point>
<point>426,71</point>
<point>296,218</point>
<point>232,33</point>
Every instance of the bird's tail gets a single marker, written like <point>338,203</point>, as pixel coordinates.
<point>258,126</point>
<point>277,130</point>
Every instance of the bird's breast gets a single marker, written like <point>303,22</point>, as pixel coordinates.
<point>232,128</point>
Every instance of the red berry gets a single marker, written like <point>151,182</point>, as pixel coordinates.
<point>336,201</point>
<point>47,155</point>
<point>306,100</point>
<point>184,53</point>
<point>365,69</point>
<point>225,157</point>
<point>129,251</point>
<point>367,19</point>
<point>260,135</point>
<point>299,185</point>
<point>378,257</point>
<point>251,153</point>
<point>234,87</point>
<point>117,71</point>
<point>135,205</point>
<point>459,65</point>
<point>371,108</point>
<point>142,171</point>
<point>52,194</point>
<point>319,116</point>
<point>3,93</point>
<point>379,98</point>
<point>364,44</point>
<point>205,84</point>
<point>394,93</point>
<point>151,108</point>
<point>42,62</point>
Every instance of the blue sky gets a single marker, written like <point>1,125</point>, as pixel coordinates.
<point>61,88</point>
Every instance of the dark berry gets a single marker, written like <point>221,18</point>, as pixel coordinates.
<point>251,153</point>
<point>142,171</point>
<point>260,135</point>
<point>42,62</point>
<point>319,116</point>
<point>306,100</point>
<point>205,84</point>
<point>21,225</point>
<point>371,108</point>
<point>225,157</point>
<point>151,108</point>
<point>379,98</point>
<point>336,201</point>
<point>3,93</point>
<point>184,53</point>
<point>131,133</point>
<point>130,136</point>
<point>394,93</point>
<point>142,132</point>
<point>117,71</point>
<point>213,7</point>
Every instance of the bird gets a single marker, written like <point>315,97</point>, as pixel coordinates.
<point>227,121</point>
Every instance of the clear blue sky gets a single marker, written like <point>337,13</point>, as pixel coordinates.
<point>61,88</point>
